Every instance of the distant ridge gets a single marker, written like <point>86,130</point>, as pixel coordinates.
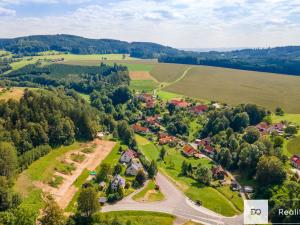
<point>285,60</point>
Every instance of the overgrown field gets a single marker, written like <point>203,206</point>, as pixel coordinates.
<point>238,86</point>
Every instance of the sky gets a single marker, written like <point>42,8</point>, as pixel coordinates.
<point>176,23</point>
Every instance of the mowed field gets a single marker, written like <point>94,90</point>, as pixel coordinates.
<point>13,93</point>
<point>239,86</point>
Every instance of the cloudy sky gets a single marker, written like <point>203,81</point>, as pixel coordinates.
<point>178,23</point>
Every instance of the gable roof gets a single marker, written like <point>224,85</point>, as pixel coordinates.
<point>189,150</point>
<point>296,159</point>
<point>180,103</point>
<point>139,128</point>
<point>130,153</point>
<point>199,108</point>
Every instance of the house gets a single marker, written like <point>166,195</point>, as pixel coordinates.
<point>102,200</point>
<point>199,109</point>
<point>166,139</point>
<point>145,97</point>
<point>209,150</point>
<point>140,129</point>
<point>248,189</point>
<point>203,142</point>
<point>179,103</point>
<point>152,120</point>
<point>162,135</point>
<point>295,161</point>
<point>127,156</point>
<point>150,104</point>
<point>100,135</point>
<point>262,127</point>
<point>278,128</point>
<point>218,173</point>
<point>117,182</point>
<point>134,167</point>
<point>188,150</point>
<point>216,105</point>
<point>235,186</point>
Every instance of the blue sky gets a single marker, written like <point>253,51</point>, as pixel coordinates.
<point>178,23</point>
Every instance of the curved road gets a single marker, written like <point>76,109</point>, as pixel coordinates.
<point>175,203</point>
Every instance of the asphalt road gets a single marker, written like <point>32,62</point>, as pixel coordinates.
<point>175,203</point>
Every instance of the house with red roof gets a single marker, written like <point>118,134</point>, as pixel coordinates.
<point>188,150</point>
<point>128,155</point>
<point>152,120</point>
<point>166,140</point>
<point>199,109</point>
<point>140,129</point>
<point>180,103</point>
<point>295,161</point>
<point>263,127</point>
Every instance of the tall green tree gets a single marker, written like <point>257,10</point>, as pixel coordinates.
<point>270,171</point>
<point>8,160</point>
<point>88,201</point>
<point>52,213</point>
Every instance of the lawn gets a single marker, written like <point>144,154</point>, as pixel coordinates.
<point>40,170</point>
<point>141,217</point>
<point>210,197</point>
<point>166,96</point>
<point>294,118</point>
<point>149,194</point>
<point>143,85</point>
<point>238,86</point>
<point>293,146</point>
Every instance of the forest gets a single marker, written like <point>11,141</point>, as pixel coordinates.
<point>83,79</point>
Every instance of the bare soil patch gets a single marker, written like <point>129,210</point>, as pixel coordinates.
<point>65,192</point>
<point>140,75</point>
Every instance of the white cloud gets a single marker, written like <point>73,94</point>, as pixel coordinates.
<point>7,12</point>
<point>180,23</point>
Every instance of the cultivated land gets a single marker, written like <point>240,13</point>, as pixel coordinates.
<point>238,86</point>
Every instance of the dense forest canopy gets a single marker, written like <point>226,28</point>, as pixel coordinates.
<point>83,79</point>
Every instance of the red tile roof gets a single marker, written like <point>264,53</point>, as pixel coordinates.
<point>296,159</point>
<point>199,109</point>
<point>139,128</point>
<point>189,150</point>
<point>180,103</point>
<point>166,140</point>
<point>130,153</point>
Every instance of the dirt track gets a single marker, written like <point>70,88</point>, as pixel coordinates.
<point>65,192</point>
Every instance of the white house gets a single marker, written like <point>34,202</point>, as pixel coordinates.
<point>134,167</point>
<point>117,182</point>
<point>127,156</point>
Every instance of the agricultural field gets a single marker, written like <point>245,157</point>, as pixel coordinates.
<point>143,85</point>
<point>238,86</point>
<point>210,197</point>
<point>165,72</point>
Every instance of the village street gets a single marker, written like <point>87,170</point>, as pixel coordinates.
<point>175,203</point>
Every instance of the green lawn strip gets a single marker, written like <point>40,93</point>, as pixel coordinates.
<point>142,85</point>
<point>166,95</point>
<point>210,197</point>
<point>294,118</point>
<point>141,217</point>
<point>293,146</point>
<point>152,197</point>
<point>233,197</point>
